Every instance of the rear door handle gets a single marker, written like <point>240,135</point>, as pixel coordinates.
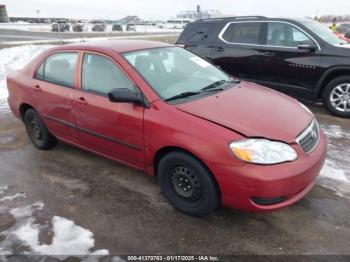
<point>269,54</point>
<point>37,88</point>
<point>219,49</point>
<point>82,101</point>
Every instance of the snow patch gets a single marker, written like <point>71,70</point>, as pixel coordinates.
<point>331,171</point>
<point>4,252</point>
<point>10,198</point>
<point>3,189</point>
<point>15,58</point>
<point>335,173</point>
<point>335,131</point>
<point>26,211</point>
<point>69,239</point>
<point>334,178</point>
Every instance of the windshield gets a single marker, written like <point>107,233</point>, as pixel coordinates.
<point>323,32</point>
<point>172,70</point>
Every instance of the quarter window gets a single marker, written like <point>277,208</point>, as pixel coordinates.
<point>100,75</point>
<point>286,35</point>
<point>58,68</point>
<point>244,33</point>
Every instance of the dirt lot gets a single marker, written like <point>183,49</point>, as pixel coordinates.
<point>66,195</point>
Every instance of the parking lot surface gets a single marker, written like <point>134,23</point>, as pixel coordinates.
<point>125,213</point>
<point>67,201</point>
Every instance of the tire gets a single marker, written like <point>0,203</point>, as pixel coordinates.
<point>334,90</point>
<point>187,184</point>
<point>37,132</point>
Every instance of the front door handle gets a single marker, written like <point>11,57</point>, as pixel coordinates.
<point>81,100</point>
<point>217,48</point>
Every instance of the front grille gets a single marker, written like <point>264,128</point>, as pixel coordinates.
<point>308,139</point>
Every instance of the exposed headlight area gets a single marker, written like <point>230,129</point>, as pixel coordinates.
<point>263,151</point>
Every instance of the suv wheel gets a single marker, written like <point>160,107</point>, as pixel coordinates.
<point>37,132</point>
<point>187,184</point>
<point>336,96</point>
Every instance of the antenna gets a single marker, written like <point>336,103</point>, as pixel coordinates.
<point>59,33</point>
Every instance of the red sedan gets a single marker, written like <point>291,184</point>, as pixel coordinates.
<point>208,138</point>
<point>342,36</point>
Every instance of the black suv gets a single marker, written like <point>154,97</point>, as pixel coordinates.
<point>300,57</point>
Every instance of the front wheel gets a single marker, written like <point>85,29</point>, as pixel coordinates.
<point>336,96</point>
<point>187,184</point>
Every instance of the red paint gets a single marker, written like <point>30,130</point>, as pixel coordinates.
<point>342,36</point>
<point>203,127</point>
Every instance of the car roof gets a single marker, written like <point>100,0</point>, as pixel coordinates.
<point>251,18</point>
<point>119,46</point>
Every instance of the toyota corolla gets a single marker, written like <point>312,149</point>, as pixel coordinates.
<point>209,139</point>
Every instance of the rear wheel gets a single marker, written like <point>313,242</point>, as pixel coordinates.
<point>37,132</point>
<point>187,184</point>
<point>336,96</point>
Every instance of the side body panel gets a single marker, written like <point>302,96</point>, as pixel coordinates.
<point>113,129</point>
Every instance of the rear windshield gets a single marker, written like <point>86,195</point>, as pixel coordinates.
<point>196,33</point>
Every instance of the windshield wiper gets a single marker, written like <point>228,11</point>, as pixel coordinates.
<point>219,83</point>
<point>212,87</point>
<point>181,95</point>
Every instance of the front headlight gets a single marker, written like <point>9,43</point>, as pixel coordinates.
<point>263,151</point>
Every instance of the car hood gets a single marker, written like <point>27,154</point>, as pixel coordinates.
<point>253,111</point>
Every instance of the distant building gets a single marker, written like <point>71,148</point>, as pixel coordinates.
<point>37,20</point>
<point>199,14</point>
<point>131,19</point>
<point>333,18</point>
<point>3,14</point>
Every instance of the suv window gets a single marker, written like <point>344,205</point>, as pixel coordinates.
<point>244,33</point>
<point>59,69</point>
<point>195,33</point>
<point>286,35</point>
<point>100,75</point>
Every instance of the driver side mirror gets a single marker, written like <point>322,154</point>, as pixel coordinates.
<point>310,48</point>
<point>124,95</point>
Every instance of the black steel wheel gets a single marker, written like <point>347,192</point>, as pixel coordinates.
<point>187,184</point>
<point>37,132</point>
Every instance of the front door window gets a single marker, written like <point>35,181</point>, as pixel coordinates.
<point>286,35</point>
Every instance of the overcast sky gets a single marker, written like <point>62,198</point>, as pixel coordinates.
<point>163,9</point>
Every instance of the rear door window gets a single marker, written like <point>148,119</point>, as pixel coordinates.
<point>59,69</point>
<point>243,32</point>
